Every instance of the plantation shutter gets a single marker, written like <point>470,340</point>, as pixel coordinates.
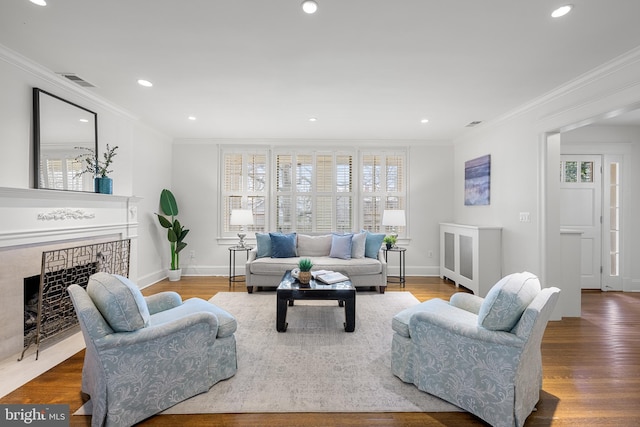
<point>383,187</point>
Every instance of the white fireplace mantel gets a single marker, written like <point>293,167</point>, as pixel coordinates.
<point>31,216</point>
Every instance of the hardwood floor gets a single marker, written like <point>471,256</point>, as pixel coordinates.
<point>591,369</point>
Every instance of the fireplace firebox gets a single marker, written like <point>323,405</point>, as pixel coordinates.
<point>48,309</point>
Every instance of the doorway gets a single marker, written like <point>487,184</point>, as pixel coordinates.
<point>581,210</point>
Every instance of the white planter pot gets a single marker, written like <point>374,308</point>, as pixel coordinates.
<point>174,275</point>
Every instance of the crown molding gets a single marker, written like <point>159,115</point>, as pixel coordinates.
<point>608,68</point>
<point>45,74</point>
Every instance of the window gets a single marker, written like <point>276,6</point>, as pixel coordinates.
<point>314,192</point>
<point>244,186</point>
<point>311,190</point>
<point>383,187</point>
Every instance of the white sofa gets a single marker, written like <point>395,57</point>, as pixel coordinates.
<point>265,269</point>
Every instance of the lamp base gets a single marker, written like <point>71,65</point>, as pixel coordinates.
<point>242,243</point>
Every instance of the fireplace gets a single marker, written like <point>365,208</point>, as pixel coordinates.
<point>39,221</point>
<point>47,295</point>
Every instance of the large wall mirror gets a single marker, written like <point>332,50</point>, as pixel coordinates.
<point>59,128</point>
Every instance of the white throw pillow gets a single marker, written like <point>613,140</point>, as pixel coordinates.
<point>358,245</point>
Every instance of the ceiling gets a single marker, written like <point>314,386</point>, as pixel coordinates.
<point>366,69</point>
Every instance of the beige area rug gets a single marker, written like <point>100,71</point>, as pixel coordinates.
<point>315,366</point>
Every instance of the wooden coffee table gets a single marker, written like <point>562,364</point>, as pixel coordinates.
<point>290,290</point>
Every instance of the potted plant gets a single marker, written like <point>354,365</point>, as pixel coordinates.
<point>99,168</point>
<point>304,277</point>
<point>175,231</point>
<point>390,240</point>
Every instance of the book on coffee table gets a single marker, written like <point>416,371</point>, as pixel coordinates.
<point>329,277</point>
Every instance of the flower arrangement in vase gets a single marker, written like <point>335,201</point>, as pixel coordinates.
<point>99,168</point>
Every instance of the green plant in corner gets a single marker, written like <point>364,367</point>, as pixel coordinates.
<point>175,231</point>
<point>305,264</point>
<point>93,165</point>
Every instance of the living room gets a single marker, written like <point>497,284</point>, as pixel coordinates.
<point>521,138</point>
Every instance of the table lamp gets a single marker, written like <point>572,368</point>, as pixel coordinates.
<point>393,218</point>
<point>241,217</point>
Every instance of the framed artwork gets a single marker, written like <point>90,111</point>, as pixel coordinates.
<point>477,180</point>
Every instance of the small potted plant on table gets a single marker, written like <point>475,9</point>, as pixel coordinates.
<point>390,241</point>
<point>304,277</point>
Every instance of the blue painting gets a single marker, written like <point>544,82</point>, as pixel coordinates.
<point>477,180</point>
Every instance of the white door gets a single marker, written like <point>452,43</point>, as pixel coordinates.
<point>581,209</point>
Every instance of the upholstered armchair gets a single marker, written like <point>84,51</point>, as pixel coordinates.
<point>482,355</point>
<point>144,355</point>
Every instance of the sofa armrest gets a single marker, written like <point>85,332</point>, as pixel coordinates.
<point>152,333</point>
<point>468,302</point>
<point>425,320</point>
<point>162,301</point>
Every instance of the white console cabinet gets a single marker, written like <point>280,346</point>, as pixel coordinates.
<point>471,256</point>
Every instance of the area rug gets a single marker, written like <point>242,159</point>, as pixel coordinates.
<point>315,366</point>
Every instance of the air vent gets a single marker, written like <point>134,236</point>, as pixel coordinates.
<point>77,79</point>
<point>474,123</point>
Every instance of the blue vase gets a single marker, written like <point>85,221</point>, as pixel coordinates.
<point>103,185</point>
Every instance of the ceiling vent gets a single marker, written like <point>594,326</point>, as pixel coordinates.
<point>77,79</point>
<point>474,123</point>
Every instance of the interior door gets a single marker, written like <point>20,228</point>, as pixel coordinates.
<point>581,209</point>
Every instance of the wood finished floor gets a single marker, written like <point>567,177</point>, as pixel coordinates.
<point>591,369</point>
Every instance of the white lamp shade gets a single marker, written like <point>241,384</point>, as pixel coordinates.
<point>393,218</point>
<point>241,217</point>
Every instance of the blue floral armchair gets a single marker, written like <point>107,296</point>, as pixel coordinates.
<point>144,355</point>
<point>482,355</point>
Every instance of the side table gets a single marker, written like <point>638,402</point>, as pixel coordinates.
<point>233,277</point>
<point>401,278</point>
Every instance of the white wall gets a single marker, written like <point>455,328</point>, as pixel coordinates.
<point>195,185</point>
<point>517,145</point>
<point>142,166</point>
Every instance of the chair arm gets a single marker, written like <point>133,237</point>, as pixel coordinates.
<point>151,333</point>
<point>426,319</point>
<point>465,301</point>
<point>163,301</point>
<point>252,255</point>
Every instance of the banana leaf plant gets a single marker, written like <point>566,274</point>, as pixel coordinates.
<point>175,231</point>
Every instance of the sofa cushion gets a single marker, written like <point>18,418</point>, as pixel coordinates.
<point>314,245</point>
<point>263,245</point>
<point>350,267</point>
<point>358,245</point>
<point>283,245</point>
<point>506,301</point>
<point>227,324</point>
<point>119,301</point>
<point>341,246</point>
<point>373,243</point>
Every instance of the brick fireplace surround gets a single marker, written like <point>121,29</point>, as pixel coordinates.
<point>37,220</point>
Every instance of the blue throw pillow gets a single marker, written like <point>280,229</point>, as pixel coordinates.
<point>341,246</point>
<point>263,241</point>
<point>283,245</point>
<point>372,244</point>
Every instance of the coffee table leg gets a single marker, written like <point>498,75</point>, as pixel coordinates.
<point>281,315</point>
<point>350,314</point>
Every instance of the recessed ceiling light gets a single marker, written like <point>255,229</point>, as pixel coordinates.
<point>145,83</point>
<point>313,119</point>
<point>561,11</point>
<point>424,121</point>
<point>309,6</point>
<point>191,118</point>
<point>39,2</point>
<point>84,120</point>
